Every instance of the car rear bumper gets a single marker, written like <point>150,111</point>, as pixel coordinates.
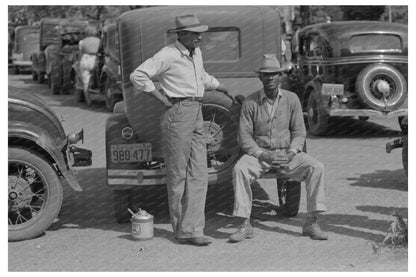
<point>367,112</point>
<point>122,177</point>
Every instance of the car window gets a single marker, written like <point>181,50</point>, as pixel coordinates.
<point>218,44</point>
<point>311,45</point>
<point>375,42</point>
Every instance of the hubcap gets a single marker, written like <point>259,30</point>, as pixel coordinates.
<point>220,129</point>
<point>26,194</point>
<point>214,135</point>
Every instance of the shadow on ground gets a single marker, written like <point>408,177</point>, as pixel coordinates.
<point>384,179</point>
<point>355,128</point>
<point>94,208</point>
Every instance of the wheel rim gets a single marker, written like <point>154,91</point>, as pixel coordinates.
<point>27,194</point>
<point>221,131</point>
<point>383,88</point>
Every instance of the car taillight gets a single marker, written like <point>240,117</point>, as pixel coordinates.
<point>75,137</point>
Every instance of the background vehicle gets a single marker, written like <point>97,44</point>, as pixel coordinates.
<point>60,58</point>
<point>39,160</point>
<point>105,83</point>
<point>26,42</point>
<point>351,68</point>
<point>233,48</point>
<point>59,50</point>
<point>49,35</point>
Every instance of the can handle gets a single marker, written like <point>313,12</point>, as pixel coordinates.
<point>130,211</point>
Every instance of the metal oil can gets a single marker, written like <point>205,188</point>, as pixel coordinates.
<point>142,225</point>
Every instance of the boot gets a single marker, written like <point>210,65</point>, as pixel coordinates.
<point>244,232</point>
<point>312,230</point>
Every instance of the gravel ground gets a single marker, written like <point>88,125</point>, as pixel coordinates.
<point>365,186</point>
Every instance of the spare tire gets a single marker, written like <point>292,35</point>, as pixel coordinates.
<point>381,87</point>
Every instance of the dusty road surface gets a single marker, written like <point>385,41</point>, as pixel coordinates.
<point>365,186</point>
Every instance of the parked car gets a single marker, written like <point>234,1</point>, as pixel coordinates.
<point>26,42</point>
<point>401,143</point>
<point>40,159</point>
<point>352,68</point>
<point>49,35</point>
<point>105,83</point>
<point>59,50</point>
<point>233,48</point>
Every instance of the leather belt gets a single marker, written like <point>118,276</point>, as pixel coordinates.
<point>272,148</point>
<point>175,100</point>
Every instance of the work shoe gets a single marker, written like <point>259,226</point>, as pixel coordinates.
<point>198,241</point>
<point>314,232</point>
<point>245,231</point>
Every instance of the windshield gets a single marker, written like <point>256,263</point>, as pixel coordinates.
<point>375,43</point>
<point>27,41</point>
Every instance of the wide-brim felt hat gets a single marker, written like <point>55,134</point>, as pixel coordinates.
<point>189,23</point>
<point>270,65</point>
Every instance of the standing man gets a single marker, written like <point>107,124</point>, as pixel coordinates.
<point>179,68</point>
<point>272,129</point>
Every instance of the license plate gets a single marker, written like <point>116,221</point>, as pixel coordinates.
<point>131,153</point>
<point>332,89</point>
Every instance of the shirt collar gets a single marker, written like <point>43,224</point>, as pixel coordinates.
<point>263,95</point>
<point>182,48</point>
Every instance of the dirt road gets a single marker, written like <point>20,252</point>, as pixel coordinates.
<point>365,185</point>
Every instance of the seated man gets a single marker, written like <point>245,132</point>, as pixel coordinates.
<point>271,130</point>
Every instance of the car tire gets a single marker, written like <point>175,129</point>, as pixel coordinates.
<point>221,117</point>
<point>122,202</point>
<point>55,79</point>
<point>405,150</point>
<point>41,77</point>
<point>39,189</point>
<point>34,75</point>
<point>79,95</point>
<point>317,119</point>
<point>375,77</point>
<point>289,197</point>
<point>403,124</point>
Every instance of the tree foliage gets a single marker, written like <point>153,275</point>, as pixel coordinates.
<point>319,14</point>
<point>363,12</point>
<point>29,15</point>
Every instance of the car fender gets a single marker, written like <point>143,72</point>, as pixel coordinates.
<point>29,132</point>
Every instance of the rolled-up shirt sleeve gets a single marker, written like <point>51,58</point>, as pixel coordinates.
<point>142,76</point>
<point>210,82</point>
<point>246,131</point>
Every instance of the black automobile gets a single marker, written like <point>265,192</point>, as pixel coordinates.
<point>40,160</point>
<point>351,68</point>
<point>58,51</point>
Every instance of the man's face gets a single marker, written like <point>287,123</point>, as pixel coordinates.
<point>270,80</point>
<point>190,40</point>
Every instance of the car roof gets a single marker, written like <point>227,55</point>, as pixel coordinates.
<point>340,29</point>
